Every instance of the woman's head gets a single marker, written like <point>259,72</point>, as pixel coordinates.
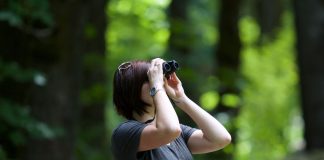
<point>128,81</point>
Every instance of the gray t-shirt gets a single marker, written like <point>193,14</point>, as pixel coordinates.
<point>126,138</point>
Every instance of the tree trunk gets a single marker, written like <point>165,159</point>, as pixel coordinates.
<point>62,54</point>
<point>178,42</point>
<point>228,59</point>
<point>181,41</point>
<point>92,140</point>
<point>268,15</point>
<point>228,53</point>
<point>310,39</point>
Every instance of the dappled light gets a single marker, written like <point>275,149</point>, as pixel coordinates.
<point>255,66</point>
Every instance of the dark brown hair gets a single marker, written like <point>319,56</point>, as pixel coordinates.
<point>128,81</point>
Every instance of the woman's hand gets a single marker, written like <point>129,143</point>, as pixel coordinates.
<point>155,73</point>
<point>173,87</point>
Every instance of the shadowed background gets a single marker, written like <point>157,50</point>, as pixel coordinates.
<point>256,65</point>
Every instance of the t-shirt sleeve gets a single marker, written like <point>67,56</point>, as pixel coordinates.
<point>125,140</point>
<point>186,132</point>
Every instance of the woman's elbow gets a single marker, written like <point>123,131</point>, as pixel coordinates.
<point>175,132</point>
<point>221,142</point>
<point>227,139</point>
<point>171,132</point>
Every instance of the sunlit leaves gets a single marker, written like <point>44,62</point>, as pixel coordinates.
<point>270,98</point>
<point>203,30</point>
<point>136,31</point>
<point>249,30</point>
<point>231,100</point>
<point>209,100</point>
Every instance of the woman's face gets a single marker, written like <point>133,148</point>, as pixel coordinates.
<point>145,94</point>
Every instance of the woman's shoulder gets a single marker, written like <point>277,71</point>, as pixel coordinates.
<point>128,126</point>
<point>129,123</point>
<point>126,137</point>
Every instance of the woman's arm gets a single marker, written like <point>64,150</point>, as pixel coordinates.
<point>165,128</point>
<point>212,134</point>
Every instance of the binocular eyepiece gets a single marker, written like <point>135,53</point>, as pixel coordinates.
<point>170,67</point>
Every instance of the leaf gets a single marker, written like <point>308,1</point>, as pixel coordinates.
<point>231,100</point>
<point>209,100</point>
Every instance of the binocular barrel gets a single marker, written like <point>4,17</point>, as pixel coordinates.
<point>170,67</point>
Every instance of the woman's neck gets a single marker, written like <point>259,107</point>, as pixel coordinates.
<point>149,115</point>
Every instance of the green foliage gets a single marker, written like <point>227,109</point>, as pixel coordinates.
<point>92,62</point>
<point>209,100</point>
<point>95,93</point>
<point>231,100</point>
<point>136,31</point>
<point>3,154</point>
<point>196,38</point>
<point>17,123</point>
<point>203,30</point>
<point>86,149</point>
<point>20,13</point>
<point>12,70</point>
<point>249,31</point>
<point>270,95</point>
<point>90,31</point>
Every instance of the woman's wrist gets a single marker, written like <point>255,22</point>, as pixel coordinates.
<point>154,90</point>
<point>181,100</point>
<point>157,84</point>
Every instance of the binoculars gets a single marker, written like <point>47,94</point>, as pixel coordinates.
<point>170,67</point>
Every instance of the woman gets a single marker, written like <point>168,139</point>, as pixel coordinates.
<point>142,95</point>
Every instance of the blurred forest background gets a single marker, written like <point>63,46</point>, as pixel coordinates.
<point>256,65</point>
